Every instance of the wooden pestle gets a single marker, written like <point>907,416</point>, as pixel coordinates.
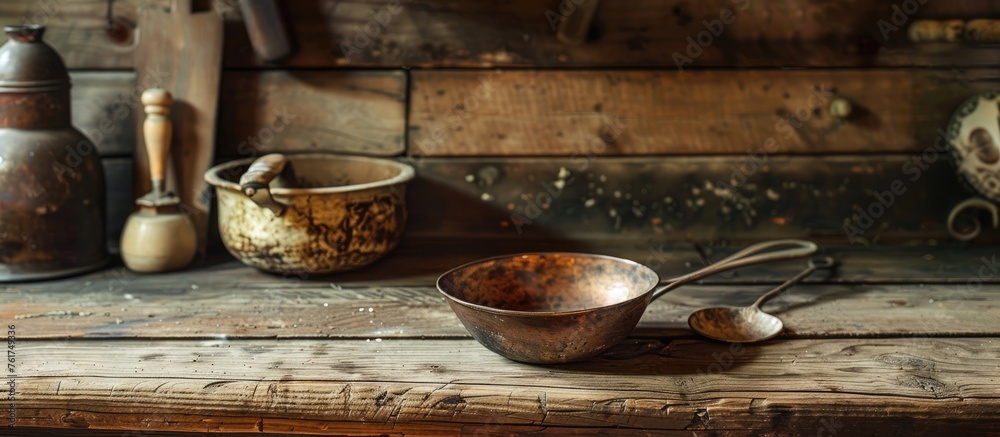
<point>157,131</point>
<point>158,237</point>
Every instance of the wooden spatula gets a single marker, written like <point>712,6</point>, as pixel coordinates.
<point>187,47</point>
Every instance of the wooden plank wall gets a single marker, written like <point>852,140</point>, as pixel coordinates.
<point>516,134</point>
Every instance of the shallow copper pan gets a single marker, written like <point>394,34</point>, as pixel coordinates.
<point>563,307</point>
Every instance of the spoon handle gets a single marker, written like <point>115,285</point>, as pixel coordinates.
<point>814,264</point>
<point>755,254</point>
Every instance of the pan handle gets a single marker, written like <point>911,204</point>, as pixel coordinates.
<point>748,256</point>
<point>256,182</point>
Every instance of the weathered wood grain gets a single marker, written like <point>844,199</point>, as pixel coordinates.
<point>260,112</point>
<point>419,262</point>
<point>444,205</point>
<point>695,199</point>
<point>79,30</point>
<point>520,33</point>
<point>87,432</point>
<point>686,199</point>
<point>360,112</point>
<point>774,33</point>
<point>186,304</point>
<point>550,113</point>
<point>623,112</point>
<point>234,301</point>
<point>680,199</point>
<point>434,429</point>
<point>104,107</point>
<point>956,264</point>
<point>291,385</point>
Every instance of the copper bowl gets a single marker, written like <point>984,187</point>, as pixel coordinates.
<point>563,307</point>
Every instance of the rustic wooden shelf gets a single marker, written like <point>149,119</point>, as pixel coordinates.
<point>897,342</point>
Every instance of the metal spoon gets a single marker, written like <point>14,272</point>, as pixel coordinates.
<point>748,324</point>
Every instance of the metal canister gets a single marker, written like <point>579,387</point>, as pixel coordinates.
<point>51,179</point>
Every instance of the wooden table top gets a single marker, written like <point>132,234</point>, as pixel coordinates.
<point>903,340</point>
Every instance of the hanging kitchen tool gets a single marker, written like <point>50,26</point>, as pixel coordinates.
<point>158,237</point>
<point>575,26</point>
<point>268,34</point>
<point>186,47</point>
<point>310,214</point>
<point>51,178</point>
<point>562,307</point>
<point>973,137</point>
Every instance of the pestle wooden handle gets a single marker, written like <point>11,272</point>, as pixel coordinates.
<point>157,131</point>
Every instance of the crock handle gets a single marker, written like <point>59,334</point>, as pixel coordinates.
<point>255,183</point>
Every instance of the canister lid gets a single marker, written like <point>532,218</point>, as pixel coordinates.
<point>29,64</point>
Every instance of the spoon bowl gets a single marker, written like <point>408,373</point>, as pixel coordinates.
<point>735,324</point>
<point>748,324</point>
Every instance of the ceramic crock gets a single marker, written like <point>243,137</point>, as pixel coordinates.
<point>311,213</point>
